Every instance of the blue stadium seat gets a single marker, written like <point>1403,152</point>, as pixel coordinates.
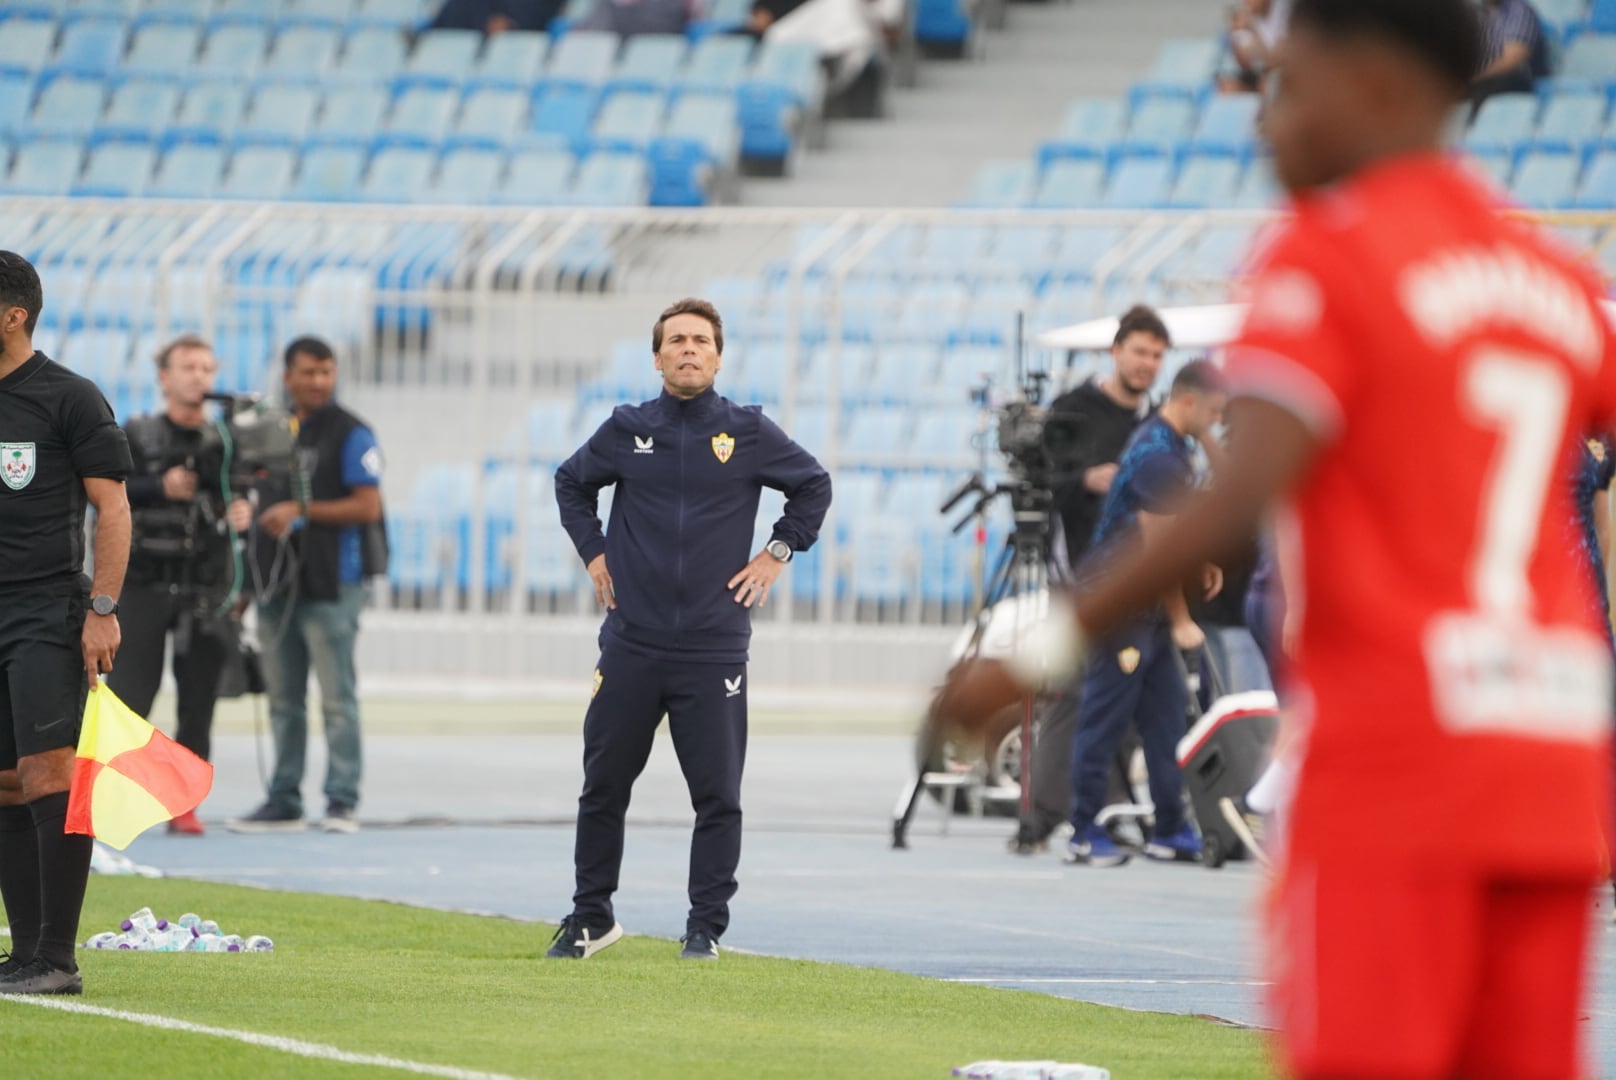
<point>406,14</point>
<point>611,180</point>
<point>16,98</point>
<point>1090,128</point>
<point>1078,251</point>
<point>878,433</point>
<point>944,24</point>
<point>960,248</point>
<point>329,174</point>
<point>1506,122</point>
<point>280,113</point>
<point>716,64</point>
<point>398,174</point>
<point>46,167</point>
<point>333,11</point>
<point>117,170</point>
<point>1227,125</point>
<point>102,356</point>
<point>232,51</point>
<point>25,43</point>
<point>514,59</point>
<point>1559,17</point>
<point>352,114</point>
<point>188,171</point>
<point>261,173</point>
<point>184,10</point>
<point>884,560</point>
<point>1545,181</point>
<point>963,370</point>
<point>1183,68</point>
<point>566,113</point>
<point>1024,250</point>
<point>708,123</point>
<point>372,52</point>
<point>786,85</point>
<point>721,16</point>
<point>138,109</point>
<point>1259,189</point>
<point>67,107</point>
<point>492,117</point>
<point>1071,184</point>
<point>468,176</point>
<point>1598,189</point>
<point>626,122</point>
<point>1206,182</point>
<point>266,11</point>
<point>858,495</point>
<point>1571,123</point>
<point>538,178</point>
<point>162,49</point>
<point>308,51</point>
<point>650,63</point>
<point>1591,58</point>
<point>1002,185</point>
<point>1219,252</point>
<point>444,57</point>
<point>1602,17</point>
<point>209,112</point>
<point>917,497</point>
<point>90,47</point>
<point>1159,126</point>
<point>581,60</point>
<point>422,114</point>
<point>1139,183</point>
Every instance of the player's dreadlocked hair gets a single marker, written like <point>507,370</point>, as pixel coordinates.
<point>19,287</point>
<point>1445,34</point>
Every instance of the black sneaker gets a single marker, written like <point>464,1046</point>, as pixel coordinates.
<point>699,945</point>
<point>575,941</point>
<point>1029,840</point>
<point>271,817</point>
<point>40,976</point>
<point>10,964</point>
<point>339,818</point>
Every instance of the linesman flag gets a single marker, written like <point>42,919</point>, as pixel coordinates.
<point>128,776</point>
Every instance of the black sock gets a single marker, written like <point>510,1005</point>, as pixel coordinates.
<point>19,878</point>
<point>64,872</point>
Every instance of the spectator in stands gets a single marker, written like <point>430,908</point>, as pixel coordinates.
<point>496,16</point>
<point>1104,413</point>
<point>1134,674</point>
<point>330,527</point>
<point>1256,28</point>
<point>1517,51</point>
<point>629,17</point>
<point>852,36</point>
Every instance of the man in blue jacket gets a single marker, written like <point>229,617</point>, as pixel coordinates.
<point>673,571</point>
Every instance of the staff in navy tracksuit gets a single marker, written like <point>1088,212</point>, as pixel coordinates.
<point>1133,675</point>
<point>673,570</point>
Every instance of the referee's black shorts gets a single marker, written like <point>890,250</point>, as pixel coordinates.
<point>42,680</point>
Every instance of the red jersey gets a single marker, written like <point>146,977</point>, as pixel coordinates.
<point>1453,690</point>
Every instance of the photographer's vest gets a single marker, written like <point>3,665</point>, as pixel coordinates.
<point>164,540</point>
<point>320,440</point>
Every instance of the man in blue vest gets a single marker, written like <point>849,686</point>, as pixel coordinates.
<point>675,573</point>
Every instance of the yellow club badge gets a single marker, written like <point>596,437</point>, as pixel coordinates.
<point>723,447</point>
<point>1596,447</point>
<point>1128,660</point>
<point>599,678</point>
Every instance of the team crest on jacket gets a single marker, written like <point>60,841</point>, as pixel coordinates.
<point>1128,660</point>
<point>723,446</point>
<point>17,464</point>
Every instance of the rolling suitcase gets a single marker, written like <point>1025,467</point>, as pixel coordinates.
<point>1222,756</point>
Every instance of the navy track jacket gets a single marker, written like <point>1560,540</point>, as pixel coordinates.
<point>688,476</point>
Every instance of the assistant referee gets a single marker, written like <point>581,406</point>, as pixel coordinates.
<point>59,448</point>
<point>676,573</point>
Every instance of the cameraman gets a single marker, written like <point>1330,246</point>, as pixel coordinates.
<point>1103,412</point>
<point>181,559</point>
<point>324,522</point>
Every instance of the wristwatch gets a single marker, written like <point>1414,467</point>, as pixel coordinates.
<point>779,549</point>
<point>103,605</point>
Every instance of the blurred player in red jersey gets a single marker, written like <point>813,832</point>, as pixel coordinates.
<point>1414,379</point>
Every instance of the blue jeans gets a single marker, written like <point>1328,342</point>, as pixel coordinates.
<point>1133,677</point>
<point>295,634</point>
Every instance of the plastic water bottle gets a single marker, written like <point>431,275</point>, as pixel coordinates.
<point>1077,1072</point>
<point>190,920</point>
<point>106,940</point>
<point>144,919</point>
<point>259,943</point>
<point>208,927</point>
<point>134,938</point>
<point>232,943</point>
<point>1031,1070</point>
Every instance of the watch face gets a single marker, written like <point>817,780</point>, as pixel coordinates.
<point>103,605</point>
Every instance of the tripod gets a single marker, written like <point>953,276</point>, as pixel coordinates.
<point>1016,598</point>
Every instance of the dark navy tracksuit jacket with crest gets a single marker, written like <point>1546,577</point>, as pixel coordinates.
<point>688,476</point>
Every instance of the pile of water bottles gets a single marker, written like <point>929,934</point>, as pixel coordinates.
<point>1031,1070</point>
<point>145,932</point>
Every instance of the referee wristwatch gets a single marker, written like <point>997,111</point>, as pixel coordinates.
<point>103,605</point>
<point>779,549</point>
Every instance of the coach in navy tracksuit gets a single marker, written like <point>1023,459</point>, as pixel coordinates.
<point>673,571</point>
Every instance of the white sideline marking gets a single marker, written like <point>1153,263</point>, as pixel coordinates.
<point>252,1038</point>
<point>1107,982</point>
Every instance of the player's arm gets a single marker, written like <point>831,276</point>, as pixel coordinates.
<point>112,527</point>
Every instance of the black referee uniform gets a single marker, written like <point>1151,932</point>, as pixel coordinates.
<point>56,430</point>
<point>688,475</point>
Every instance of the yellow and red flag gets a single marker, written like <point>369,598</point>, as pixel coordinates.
<point>128,776</point>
